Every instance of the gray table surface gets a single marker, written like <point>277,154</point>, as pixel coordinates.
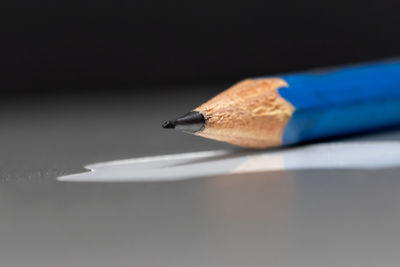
<point>282,218</point>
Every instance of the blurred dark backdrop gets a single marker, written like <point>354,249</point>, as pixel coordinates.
<point>98,45</point>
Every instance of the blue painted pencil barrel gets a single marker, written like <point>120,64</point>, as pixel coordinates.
<point>340,102</point>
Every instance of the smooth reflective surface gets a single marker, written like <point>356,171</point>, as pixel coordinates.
<point>313,217</point>
<point>367,155</point>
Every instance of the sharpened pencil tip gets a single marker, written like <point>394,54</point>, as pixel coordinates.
<point>191,122</point>
<point>168,125</point>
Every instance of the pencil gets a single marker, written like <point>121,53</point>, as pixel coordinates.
<point>302,107</point>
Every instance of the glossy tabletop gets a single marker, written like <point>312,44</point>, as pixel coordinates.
<point>296,217</point>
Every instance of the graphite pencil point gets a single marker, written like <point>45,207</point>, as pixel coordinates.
<point>168,125</point>
<point>191,122</point>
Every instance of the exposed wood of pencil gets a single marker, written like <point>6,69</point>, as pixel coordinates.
<point>250,114</point>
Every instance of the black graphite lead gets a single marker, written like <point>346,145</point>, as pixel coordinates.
<point>191,122</point>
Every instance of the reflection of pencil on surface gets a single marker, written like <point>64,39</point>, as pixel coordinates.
<point>289,109</point>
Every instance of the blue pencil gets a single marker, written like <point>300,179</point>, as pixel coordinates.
<point>301,107</point>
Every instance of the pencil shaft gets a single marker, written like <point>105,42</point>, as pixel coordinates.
<point>289,109</point>
<point>343,101</point>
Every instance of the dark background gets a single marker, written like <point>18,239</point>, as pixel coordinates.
<point>104,46</point>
